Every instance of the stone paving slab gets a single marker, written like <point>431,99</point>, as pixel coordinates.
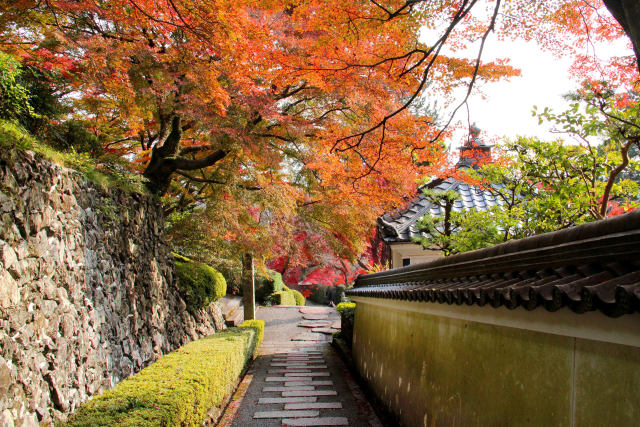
<point>267,392</point>
<point>316,405</point>
<point>327,331</point>
<point>299,365</point>
<point>309,336</point>
<point>283,414</point>
<point>281,389</point>
<point>312,422</point>
<point>315,317</point>
<point>315,310</point>
<point>315,324</point>
<point>309,393</point>
<point>307,374</point>
<point>285,400</point>
<point>306,382</point>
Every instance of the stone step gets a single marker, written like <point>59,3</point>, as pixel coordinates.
<point>311,422</point>
<point>285,400</point>
<point>306,393</point>
<point>283,389</point>
<point>307,374</point>
<point>287,378</point>
<point>285,414</point>
<point>327,331</point>
<point>312,405</point>
<point>316,310</point>
<point>315,317</point>
<point>309,336</point>
<point>307,382</point>
<point>295,366</point>
<point>315,324</point>
<point>229,303</point>
<point>235,317</point>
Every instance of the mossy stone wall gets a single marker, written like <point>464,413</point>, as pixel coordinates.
<point>88,294</point>
<point>438,371</point>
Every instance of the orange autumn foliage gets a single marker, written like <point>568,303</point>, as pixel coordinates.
<point>273,116</point>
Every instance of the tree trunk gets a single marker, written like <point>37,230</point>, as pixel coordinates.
<point>248,288</point>
<point>159,170</point>
<point>165,159</point>
<point>627,13</point>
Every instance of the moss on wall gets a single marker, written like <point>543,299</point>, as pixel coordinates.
<point>433,371</point>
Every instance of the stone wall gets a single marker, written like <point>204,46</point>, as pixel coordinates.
<point>87,291</point>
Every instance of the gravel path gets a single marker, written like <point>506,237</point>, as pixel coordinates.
<point>298,379</point>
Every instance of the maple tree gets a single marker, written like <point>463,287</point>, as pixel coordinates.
<point>272,118</point>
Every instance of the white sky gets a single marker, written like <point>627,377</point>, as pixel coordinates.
<point>506,108</point>
<point>505,111</point>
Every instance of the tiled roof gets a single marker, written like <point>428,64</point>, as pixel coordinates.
<point>400,226</point>
<point>594,266</point>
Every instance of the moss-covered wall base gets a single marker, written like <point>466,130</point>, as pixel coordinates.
<point>438,371</point>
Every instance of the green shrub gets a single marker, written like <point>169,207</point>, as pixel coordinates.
<point>179,388</point>
<point>345,306</point>
<point>267,284</point>
<point>14,97</point>
<point>297,295</point>
<point>199,284</point>
<point>282,298</point>
<point>258,326</point>
<point>347,312</point>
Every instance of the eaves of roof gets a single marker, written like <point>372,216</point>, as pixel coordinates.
<point>594,266</point>
<point>400,226</point>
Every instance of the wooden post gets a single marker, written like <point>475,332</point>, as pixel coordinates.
<point>248,288</point>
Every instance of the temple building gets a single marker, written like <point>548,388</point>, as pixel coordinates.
<point>398,228</point>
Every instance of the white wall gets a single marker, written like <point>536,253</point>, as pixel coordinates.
<point>414,252</point>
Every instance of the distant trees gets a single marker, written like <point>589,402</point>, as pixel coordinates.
<point>544,186</point>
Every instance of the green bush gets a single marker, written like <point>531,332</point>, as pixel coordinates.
<point>282,298</point>
<point>258,326</point>
<point>347,312</point>
<point>267,284</point>
<point>14,97</point>
<point>345,306</point>
<point>199,284</point>
<point>179,388</point>
<point>297,295</point>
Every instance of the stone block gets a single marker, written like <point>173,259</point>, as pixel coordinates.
<point>272,400</point>
<point>311,422</point>
<point>316,405</point>
<point>305,393</point>
<point>285,414</point>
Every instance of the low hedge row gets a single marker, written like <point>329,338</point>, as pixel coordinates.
<point>283,298</point>
<point>258,326</point>
<point>179,388</point>
<point>347,311</point>
<point>297,295</point>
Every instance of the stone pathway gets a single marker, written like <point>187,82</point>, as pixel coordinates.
<point>298,379</point>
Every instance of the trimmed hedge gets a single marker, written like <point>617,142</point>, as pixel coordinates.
<point>347,311</point>
<point>297,295</point>
<point>258,326</point>
<point>343,306</point>
<point>283,298</point>
<point>268,284</point>
<point>199,284</point>
<point>179,388</point>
